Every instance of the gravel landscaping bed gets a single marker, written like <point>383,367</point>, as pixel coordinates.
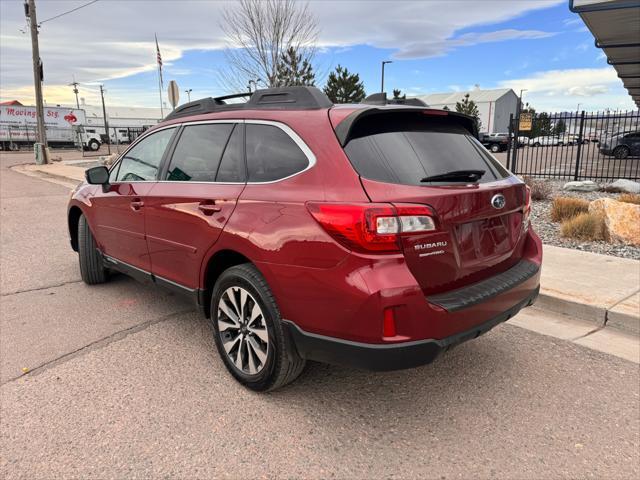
<point>549,231</point>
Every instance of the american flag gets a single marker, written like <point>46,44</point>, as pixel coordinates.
<point>159,60</point>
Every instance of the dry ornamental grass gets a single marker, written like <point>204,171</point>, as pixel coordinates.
<point>585,226</point>
<point>565,208</point>
<point>630,198</point>
<point>540,189</point>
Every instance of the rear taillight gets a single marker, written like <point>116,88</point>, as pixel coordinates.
<point>372,227</point>
<point>526,212</point>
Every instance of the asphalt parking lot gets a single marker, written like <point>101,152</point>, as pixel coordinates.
<point>560,161</point>
<point>124,381</point>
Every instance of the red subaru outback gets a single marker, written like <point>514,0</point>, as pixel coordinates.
<point>375,235</point>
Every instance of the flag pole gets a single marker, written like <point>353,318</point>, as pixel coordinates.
<point>160,91</point>
<point>159,62</point>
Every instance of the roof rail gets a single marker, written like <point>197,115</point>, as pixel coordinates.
<point>381,99</point>
<point>281,98</point>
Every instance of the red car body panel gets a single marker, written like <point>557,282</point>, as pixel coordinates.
<point>319,284</point>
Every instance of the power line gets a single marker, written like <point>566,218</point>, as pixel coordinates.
<point>67,12</point>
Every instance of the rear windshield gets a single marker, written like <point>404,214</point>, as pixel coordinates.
<point>405,148</point>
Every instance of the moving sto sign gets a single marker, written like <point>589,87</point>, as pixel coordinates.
<point>53,116</point>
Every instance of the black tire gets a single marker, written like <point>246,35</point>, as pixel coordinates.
<point>495,148</point>
<point>282,364</point>
<point>94,145</point>
<point>621,152</point>
<point>92,269</point>
<point>537,144</point>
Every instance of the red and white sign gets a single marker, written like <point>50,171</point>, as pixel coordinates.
<point>12,115</point>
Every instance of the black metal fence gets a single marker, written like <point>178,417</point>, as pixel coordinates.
<point>597,146</point>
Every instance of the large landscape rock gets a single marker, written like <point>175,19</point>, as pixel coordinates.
<point>622,219</point>
<point>628,186</point>
<point>584,186</point>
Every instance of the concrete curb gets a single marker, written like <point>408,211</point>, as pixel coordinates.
<point>619,316</point>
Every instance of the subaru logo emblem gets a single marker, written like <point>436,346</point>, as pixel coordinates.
<point>498,201</point>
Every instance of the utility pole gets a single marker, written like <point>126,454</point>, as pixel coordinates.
<point>30,12</point>
<point>104,116</point>
<point>383,64</point>
<point>75,90</point>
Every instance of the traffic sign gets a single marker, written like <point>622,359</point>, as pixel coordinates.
<point>526,119</point>
<point>174,93</point>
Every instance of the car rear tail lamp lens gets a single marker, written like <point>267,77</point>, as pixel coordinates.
<point>372,227</point>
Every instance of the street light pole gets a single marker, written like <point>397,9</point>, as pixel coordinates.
<point>30,12</point>
<point>188,92</point>
<point>106,122</point>
<point>384,62</point>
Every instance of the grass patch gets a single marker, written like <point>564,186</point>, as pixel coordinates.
<point>629,198</point>
<point>565,208</point>
<point>540,189</point>
<point>585,226</point>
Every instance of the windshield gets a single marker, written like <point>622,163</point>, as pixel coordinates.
<point>406,148</point>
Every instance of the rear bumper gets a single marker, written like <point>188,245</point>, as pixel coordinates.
<point>396,356</point>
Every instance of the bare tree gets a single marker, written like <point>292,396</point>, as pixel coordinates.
<point>259,33</point>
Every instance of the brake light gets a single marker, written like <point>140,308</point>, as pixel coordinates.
<point>526,212</point>
<point>372,227</point>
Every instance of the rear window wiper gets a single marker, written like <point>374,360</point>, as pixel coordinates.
<point>456,176</point>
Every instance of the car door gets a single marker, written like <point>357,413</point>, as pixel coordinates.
<point>187,210</point>
<point>119,207</point>
<point>633,141</point>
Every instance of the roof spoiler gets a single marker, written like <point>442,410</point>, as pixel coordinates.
<point>281,98</point>
<point>345,128</point>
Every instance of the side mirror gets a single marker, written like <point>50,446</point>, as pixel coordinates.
<point>97,175</point>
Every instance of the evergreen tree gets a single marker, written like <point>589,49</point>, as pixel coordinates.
<point>294,71</point>
<point>542,125</point>
<point>560,127</point>
<point>344,87</point>
<point>469,107</point>
<point>446,108</point>
<point>397,96</point>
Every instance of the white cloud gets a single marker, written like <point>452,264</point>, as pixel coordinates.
<point>115,39</point>
<point>557,90</point>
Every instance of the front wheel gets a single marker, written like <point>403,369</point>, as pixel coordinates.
<point>94,145</point>
<point>248,331</point>
<point>92,269</point>
<point>621,152</point>
<point>536,144</point>
<point>495,148</point>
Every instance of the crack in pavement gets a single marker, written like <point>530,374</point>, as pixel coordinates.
<point>26,290</point>
<point>96,345</point>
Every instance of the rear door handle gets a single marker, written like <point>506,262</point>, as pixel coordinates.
<point>137,204</point>
<point>209,207</point>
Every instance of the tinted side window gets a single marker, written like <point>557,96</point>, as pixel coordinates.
<point>232,167</point>
<point>142,161</point>
<point>197,154</point>
<point>272,154</point>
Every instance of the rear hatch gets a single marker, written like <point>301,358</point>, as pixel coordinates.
<point>400,155</point>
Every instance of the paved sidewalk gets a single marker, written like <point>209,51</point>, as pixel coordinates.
<point>599,288</point>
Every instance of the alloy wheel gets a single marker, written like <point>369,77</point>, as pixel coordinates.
<point>243,330</point>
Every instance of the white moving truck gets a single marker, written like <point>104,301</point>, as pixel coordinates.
<point>65,127</point>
